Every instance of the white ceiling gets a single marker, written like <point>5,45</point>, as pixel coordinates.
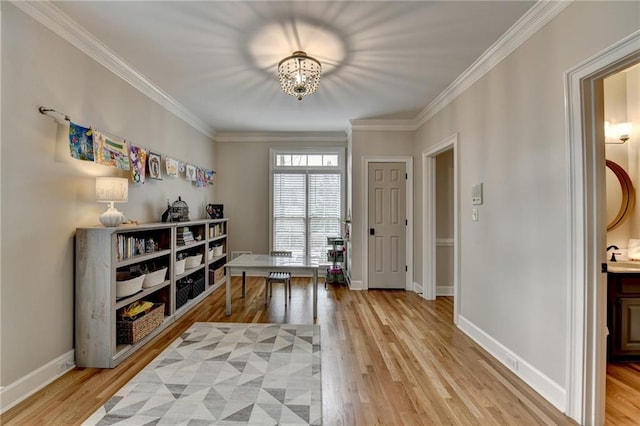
<point>381,59</point>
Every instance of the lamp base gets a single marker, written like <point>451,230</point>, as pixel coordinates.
<point>111,217</point>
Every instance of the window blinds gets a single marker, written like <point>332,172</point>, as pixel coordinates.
<point>306,210</point>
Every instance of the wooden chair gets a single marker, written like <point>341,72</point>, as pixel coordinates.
<point>278,277</point>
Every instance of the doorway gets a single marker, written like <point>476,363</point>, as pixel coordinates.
<point>586,351</point>
<point>405,275</point>
<point>440,250</point>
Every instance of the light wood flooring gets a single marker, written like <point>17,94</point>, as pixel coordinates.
<point>388,358</point>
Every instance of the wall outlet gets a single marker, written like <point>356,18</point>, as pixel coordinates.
<point>511,361</point>
<point>65,366</point>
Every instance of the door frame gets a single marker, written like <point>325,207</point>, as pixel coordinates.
<point>586,311</point>
<point>429,239</point>
<point>408,161</point>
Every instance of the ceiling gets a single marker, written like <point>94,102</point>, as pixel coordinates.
<point>217,59</point>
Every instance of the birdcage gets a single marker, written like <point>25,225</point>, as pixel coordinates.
<point>179,211</point>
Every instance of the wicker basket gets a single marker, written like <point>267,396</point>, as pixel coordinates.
<point>130,332</point>
<point>218,274</point>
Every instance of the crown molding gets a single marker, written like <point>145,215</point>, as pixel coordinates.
<point>61,24</point>
<point>324,137</point>
<point>384,124</point>
<point>530,23</point>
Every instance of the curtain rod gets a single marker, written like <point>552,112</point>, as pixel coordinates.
<point>49,111</point>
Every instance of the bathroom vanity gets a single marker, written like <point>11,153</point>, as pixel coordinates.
<point>623,313</point>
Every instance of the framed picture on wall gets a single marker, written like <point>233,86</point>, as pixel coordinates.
<point>154,166</point>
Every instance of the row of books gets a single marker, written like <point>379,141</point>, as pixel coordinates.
<point>184,236</point>
<point>130,246</point>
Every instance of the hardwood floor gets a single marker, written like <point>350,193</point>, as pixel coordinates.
<point>623,394</point>
<point>388,358</point>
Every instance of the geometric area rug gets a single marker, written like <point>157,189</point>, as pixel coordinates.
<point>226,374</point>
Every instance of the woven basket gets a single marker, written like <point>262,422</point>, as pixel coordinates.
<point>218,274</point>
<point>130,332</point>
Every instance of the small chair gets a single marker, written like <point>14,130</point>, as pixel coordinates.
<point>278,277</point>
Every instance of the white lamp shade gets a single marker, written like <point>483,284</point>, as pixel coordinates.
<point>112,189</point>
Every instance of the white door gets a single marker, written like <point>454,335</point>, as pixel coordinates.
<point>387,225</point>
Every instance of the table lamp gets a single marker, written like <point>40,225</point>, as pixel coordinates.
<point>112,190</point>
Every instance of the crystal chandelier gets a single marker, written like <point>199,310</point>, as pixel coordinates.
<point>299,74</point>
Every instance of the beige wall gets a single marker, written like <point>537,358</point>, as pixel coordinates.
<point>367,143</point>
<point>511,127</point>
<point>46,194</point>
<point>243,188</point>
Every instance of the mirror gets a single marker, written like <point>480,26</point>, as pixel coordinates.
<point>620,193</point>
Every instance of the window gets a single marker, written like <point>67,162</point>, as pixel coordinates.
<point>307,188</point>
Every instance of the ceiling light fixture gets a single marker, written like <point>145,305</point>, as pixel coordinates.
<point>299,74</point>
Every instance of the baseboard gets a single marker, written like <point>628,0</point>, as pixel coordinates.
<point>549,389</point>
<point>444,290</point>
<point>356,285</point>
<point>26,386</point>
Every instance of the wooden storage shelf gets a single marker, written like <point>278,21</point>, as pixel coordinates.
<point>123,350</point>
<point>97,262</point>
<point>142,258</point>
<point>190,245</point>
<point>190,271</point>
<point>216,258</point>
<point>121,303</point>
<point>218,238</point>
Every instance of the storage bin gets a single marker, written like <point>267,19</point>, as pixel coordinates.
<point>193,261</point>
<point>130,332</point>
<point>180,266</point>
<point>128,287</point>
<point>154,278</point>
<point>182,294</point>
<point>218,274</point>
<point>197,287</point>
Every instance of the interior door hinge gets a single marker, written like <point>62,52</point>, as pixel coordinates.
<point>406,269</point>
<point>406,222</point>
<point>406,176</point>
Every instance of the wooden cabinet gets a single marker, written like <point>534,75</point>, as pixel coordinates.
<point>623,316</point>
<point>104,255</point>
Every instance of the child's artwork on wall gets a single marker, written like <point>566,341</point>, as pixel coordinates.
<point>80,142</point>
<point>172,166</point>
<point>138,157</point>
<point>200,182</point>
<point>154,166</point>
<point>110,151</point>
<point>190,173</point>
<point>208,176</point>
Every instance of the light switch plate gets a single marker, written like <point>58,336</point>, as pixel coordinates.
<point>476,194</point>
<point>474,214</point>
